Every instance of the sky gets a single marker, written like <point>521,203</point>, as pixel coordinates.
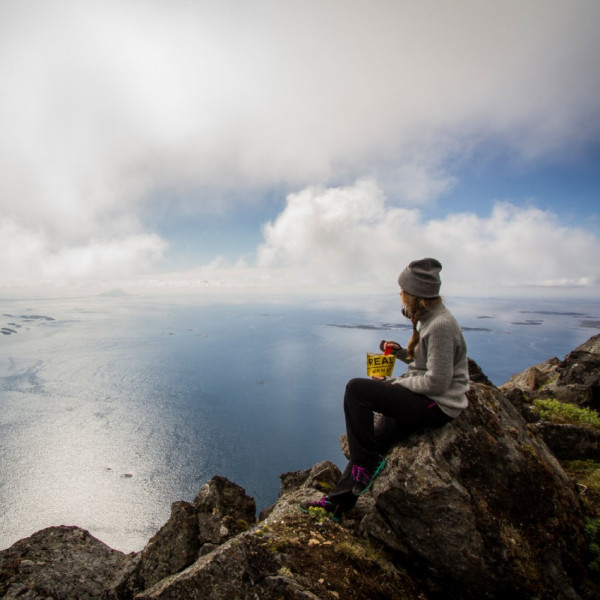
<point>321,145</point>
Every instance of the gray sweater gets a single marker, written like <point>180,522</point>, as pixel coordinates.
<point>439,369</point>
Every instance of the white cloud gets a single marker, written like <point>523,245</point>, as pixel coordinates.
<point>321,232</point>
<point>30,257</point>
<point>104,102</point>
<point>349,236</point>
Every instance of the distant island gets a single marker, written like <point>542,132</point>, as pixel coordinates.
<point>114,293</point>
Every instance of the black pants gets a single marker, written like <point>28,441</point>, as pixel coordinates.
<point>403,413</point>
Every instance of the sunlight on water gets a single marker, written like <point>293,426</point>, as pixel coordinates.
<point>112,408</point>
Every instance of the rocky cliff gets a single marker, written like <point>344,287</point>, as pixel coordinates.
<point>481,508</point>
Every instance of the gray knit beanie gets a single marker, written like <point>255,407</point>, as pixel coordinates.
<point>422,278</point>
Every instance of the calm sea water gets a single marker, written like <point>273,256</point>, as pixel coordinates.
<point>112,408</point>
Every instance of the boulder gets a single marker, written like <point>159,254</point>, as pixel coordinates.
<point>224,510</point>
<point>476,374</point>
<point>60,562</point>
<point>67,562</point>
<point>220,511</point>
<point>570,442</point>
<point>481,508</point>
<point>537,380</point>
<point>592,345</point>
<point>173,548</point>
<point>579,376</point>
<point>574,380</point>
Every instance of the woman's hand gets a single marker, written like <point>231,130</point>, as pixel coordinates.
<point>379,378</point>
<point>389,347</point>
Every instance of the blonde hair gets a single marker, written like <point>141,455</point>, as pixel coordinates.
<point>416,309</point>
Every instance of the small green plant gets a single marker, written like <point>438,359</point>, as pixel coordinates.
<point>317,512</point>
<point>325,486</point>
<point>563,412</point>
<point>592,537</point>
<point>242,525</point>
<point>262,532</point>
<point>586,472</point>
<point>363,549</point>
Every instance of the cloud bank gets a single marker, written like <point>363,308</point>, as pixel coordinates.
<point>349,235</point>
<point>102,104</point>
<point>351,239</point>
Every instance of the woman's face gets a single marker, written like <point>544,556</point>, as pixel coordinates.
<point>402,297</point>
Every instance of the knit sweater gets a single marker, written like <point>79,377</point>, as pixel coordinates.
<point>439,369</point>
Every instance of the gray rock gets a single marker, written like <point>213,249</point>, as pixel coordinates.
<point>224,510</point>
<point>60,563</point>
<point>220,511</point>
<point>476,374</point>
<point>536,378</point>
<point>290,555</point>
<point>173,548</point>
<point>592,345</point>
<point>574,380</point>
<point>570,442</point>
<point>482,507</point>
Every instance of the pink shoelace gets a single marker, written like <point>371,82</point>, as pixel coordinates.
<point>360,474</point>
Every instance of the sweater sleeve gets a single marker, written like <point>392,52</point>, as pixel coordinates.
<point>402,354</point>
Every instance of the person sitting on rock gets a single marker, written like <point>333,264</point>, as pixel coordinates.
<point>431,393</point>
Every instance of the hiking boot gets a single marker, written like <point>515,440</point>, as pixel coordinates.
<point>363,477</point>
<point>323,506</point>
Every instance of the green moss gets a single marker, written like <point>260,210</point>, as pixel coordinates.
<point>592,537</point>
<point>275,545</point>
<point>563,412</point>
<point>318,513</point>
<point>529,450</point>
<point>550,382</point>
<point>325,486</point>
<point>328,561</point>
<point>361,550</point>
<point>242,525</point>
<point>530,572</point>
<point>586,472</point>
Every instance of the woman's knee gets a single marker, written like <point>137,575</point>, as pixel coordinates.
<point>352,386</point>
<point>357,392</point>
<point>355,388</point>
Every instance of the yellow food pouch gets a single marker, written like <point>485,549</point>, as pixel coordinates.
<point>380,364</point>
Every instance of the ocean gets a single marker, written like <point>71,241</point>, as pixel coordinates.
<point>114,407</point>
